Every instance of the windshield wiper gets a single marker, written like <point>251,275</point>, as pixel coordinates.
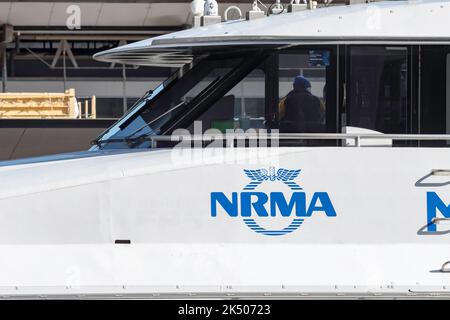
<point>144,97</point>
<point>123,139</point>
<point>147,124</point>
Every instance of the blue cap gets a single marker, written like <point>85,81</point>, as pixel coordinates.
<point>301,82</point>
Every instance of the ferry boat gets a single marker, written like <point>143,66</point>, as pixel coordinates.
<point>303,154</point>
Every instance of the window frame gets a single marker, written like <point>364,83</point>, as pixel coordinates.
<point>411,79</point>
<point>333,119</point>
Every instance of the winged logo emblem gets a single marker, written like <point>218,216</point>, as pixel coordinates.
<point>258,176</point>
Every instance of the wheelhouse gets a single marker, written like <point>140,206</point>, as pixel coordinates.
<point>393,86</point>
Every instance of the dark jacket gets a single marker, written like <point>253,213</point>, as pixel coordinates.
<point>303,113</point>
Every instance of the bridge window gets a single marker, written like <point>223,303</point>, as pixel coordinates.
<point>302,91</point>
<point>377,89</point>
<point>434,84</point>
<point>290,90</point>
<point>242,107</point>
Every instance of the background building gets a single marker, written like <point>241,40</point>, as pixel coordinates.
<point>49,46</point>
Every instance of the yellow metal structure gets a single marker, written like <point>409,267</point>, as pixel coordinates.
<point>44,106</point>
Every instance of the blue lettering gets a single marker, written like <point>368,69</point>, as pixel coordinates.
<point>435,203</point>
<point>277,200</point>
<point>231,207</point>
<point>255,203</point>
<point>258,205</point>
<point>325,206</point>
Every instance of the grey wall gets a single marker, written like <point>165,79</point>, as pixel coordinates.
<point>29,138</point>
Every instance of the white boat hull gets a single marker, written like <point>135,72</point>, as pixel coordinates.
<point>60,220</point>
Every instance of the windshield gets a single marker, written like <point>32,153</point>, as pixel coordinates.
<point>291,90</point>
<point>168,101</point>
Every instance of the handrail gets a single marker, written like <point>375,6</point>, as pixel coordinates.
<point>230,137</point>
<point>445,267</point>
<point>440,172</point>
<point>320,136</point>
<point>357,137</point>
<point>439,220</point>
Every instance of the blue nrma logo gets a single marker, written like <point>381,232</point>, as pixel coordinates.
<point>435,204</point>
<point>250,204</point>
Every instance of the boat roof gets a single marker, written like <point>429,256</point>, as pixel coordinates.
<point>413,21</point>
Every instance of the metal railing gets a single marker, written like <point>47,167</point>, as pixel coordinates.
<point>357,138</point>
<point>87,107</point>
<point>440,172</point>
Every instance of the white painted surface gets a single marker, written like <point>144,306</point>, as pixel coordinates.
<point>425,20</point>
<point>59,220</point>
<point>374,142</point>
